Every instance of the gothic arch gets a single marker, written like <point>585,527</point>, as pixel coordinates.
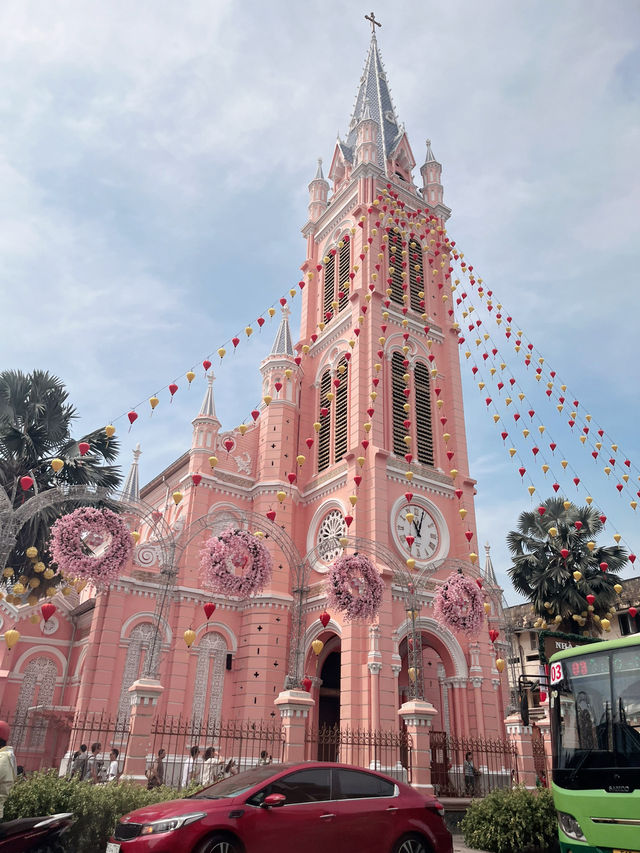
<point>37,688</point>
<point>52,651</point>
<point>224,630</point>
<point>142,616</point>
<point>331,359</point>
<point>211,653</point>
<point>81,659</point>
<point>139,640</point>
<point>442,640</point>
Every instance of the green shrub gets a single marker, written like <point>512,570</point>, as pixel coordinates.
<point>510,820</point>
<point>96,807</point>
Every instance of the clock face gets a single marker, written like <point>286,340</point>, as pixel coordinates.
<point>419,525</point>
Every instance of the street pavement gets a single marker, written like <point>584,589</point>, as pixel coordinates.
<point>460,847</point>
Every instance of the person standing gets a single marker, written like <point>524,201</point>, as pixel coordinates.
<point>91,773</point>
<point>470,774</point>
<point>212,766</point>
<point>155,774</point>
<point>8,769</point>
<point>114,771</point>
<point>192,768</point>
<point>79,763</point>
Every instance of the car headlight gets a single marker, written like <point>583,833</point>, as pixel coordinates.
<point>570,826</point>
<point>171,823</point>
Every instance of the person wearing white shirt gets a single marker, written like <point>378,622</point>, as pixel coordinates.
<point>114,771</point>
<point>192,768</point>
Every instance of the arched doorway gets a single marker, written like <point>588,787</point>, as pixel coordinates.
<point>329,707</point>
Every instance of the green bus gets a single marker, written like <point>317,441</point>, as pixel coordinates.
<point>595,734</point>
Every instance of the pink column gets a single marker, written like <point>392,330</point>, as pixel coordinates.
<point>521,736</point>
<point>374,694</point>
<point>294,707</point>
<point>418,716</point>
<point>144,695</point>
<point>476,681</point>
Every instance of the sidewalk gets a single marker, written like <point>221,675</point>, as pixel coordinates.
<point>460,847</point>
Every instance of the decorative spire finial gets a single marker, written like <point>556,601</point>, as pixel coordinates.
<point>372,20</point>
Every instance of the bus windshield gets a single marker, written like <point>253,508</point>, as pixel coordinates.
<point>596,721</point>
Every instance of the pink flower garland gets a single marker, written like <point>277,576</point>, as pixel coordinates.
<point>355,588</point>
<point>71,555</point>
<point>235,563</point>
<point>459,605</point>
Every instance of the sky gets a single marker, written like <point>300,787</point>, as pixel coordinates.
<point>154,162</point>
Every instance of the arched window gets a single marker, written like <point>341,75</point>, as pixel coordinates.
<point>424,429</point>
<point>139,641</point>
<point>209,680</point>
<point>37,688</point>
<point>397,391</point>
<point>324,436</point>
<point>342,412</point>
<point>343,272</point>
<point>395,264</point>
<point>329,284</point>
<point>416,274</point>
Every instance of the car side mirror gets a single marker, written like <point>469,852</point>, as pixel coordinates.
<point>273,801</point>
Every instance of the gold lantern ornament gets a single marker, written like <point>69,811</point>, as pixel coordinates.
<point>412,674</point>
<point>189,637</point>
<point>317,646</point>
<point>500,664</point>
<point>11,637</point>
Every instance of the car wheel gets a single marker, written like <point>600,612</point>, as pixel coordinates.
<point>411,844</point>
<point>220,844</point>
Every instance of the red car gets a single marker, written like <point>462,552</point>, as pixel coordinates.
<point>291,808</point>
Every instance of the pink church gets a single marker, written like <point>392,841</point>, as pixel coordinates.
<point>373,323</point>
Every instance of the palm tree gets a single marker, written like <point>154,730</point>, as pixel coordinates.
<point>557,564</point>
<point>35,428</point>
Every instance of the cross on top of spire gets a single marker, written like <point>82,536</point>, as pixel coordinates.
<point>372,20</point>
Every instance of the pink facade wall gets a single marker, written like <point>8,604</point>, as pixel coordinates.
<point>97,646</point>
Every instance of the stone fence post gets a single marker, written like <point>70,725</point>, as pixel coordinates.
<point>294,707</point>
<point>144,695</point>
<point>418,716</point>
<point>522,737</point>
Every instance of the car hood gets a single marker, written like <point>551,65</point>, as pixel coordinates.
<point>173,808</point>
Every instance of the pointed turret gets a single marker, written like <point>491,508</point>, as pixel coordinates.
<point>318,194</point>
<point>488,572</point>
<point>283,345</point>
<point>208,407</point>
<point>131,488</point>
<point>374,98</point>
<point>206,423</point>
<point>367,133</point>
<point>431,172</point>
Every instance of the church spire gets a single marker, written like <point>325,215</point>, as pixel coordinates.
<point>283,344</point>
<point>131,488</point>
<point>489,573</point>
<point>373,101</point>
<point>208,407</point>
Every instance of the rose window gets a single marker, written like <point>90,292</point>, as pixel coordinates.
<point>332,527</point>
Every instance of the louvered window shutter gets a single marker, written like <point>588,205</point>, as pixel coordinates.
<point>416,276</point>
<point>397,388</point>
<point>395,264</point>
<point>329,284</point>
<point>424,429</point>
<point>343,275</point>
<point>324,436</point>
<point>342,414</point>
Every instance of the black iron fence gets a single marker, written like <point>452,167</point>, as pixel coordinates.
<point>471,767</point>
<point>386,751</point>
<point>540,760</point>
<point>46,738</point>
<point>238,745</point>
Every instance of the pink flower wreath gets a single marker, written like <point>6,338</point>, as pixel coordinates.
<point>72,555</point>
<point>459,604</point>
<point>354,587</point>
<point>235,563</point>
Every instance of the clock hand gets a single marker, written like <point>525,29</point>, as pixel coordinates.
<point>419,529</point>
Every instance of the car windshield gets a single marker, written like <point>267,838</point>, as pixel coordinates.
<point>235,785</point>
<point>597,712</point>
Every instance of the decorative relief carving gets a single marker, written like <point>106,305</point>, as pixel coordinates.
<point>37,688</point>
<point>212,651</point>
<point>147,555</point>
<point>243,461</point>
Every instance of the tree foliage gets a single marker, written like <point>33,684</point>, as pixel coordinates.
<point>36,419</point>
<point>545,576</point>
